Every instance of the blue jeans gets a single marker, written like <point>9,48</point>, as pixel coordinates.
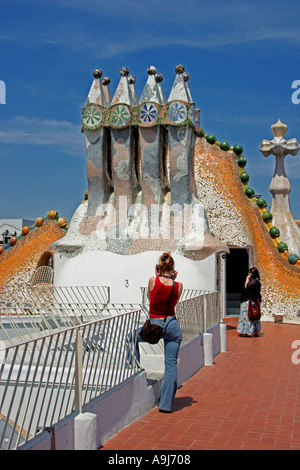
<point>172,337</point>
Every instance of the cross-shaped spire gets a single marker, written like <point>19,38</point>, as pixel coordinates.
<point>280,186</point>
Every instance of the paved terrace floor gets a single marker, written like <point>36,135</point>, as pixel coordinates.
<point>249,399</point>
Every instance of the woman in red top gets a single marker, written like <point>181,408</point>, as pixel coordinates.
<point>159,288</point>
<point>159,291</point>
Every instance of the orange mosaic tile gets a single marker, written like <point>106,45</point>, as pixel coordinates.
<point>23,257</point>
<point>278,275</point>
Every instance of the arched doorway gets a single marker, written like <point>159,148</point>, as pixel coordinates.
<point>46,259</point>
<point>43,274</point>
<point>237,265</point>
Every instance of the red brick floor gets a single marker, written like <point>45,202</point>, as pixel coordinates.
<point>249,399</point>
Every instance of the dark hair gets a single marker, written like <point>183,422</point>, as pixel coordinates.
<point>254,272</point>
<point>166,263</point>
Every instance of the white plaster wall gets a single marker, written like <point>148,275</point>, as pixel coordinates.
<point>102,268</point>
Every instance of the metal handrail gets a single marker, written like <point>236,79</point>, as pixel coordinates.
<point>38,378</point>
<point>40,294</point>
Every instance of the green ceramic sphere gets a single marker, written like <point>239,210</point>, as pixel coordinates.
<point>201,132</point>
<point>244,177</point>
<point>242,161</point>
<point>281,247</point>
<point>211,139</point>
<point>238,149</point>
<point>292,258</point>
<point>224,146</point>
<point>249,192</point>
<point>261,202</point>
<point>274,232</point>
<point>267,216</point>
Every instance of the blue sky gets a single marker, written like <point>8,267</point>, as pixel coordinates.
<point>242,58</point>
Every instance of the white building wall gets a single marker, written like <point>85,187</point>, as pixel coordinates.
<point>127,274</point>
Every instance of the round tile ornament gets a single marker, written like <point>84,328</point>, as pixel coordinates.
<point>131,79</point>
<point>292,258</point>
<point>211,139</point>
<point>13,241</point>
<point>97,73</point>
<point>148,113</point>
<point>124,71</point>
<point>25,230</point>
<point>267,216</point>
<point>177,112</point>
<point>244,177</point>
<point>242,161</point>
<point>39,221</point>
<point>249,192</point>
<point>274,232</point>
<point>179,69</point>
<point>238,149</point>
<point>151,70</point>
<point>261,202</point>
<point>105,81</point>
<point>91,116</point>
<point>186,76</point>
<point>281,247</point>
<point>52,214</point>
<point>61,221</point>
<point>159,77</point>
<point>224,146</point>
<point>120,115</point>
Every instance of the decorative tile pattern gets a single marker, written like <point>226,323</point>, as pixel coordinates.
<point>174,113</point>
<point>177,112</point>
<point>149,113</point>
<point>120,115</point>
<point>91,116</point>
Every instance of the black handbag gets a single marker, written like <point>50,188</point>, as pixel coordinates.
<point>152,333</point>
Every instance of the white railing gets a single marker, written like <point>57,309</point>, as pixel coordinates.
<point>33,311</point>
<point>44,380</point>
<point>26,321</point>
<point>51,295</point>
<point>67,360</point>
<point>33,314</point>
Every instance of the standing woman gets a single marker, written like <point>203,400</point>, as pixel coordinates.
<point>159,290</point>
<point>251,293</point>
<point>159,293</point>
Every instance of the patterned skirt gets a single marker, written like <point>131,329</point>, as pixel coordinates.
<point>245,326</point>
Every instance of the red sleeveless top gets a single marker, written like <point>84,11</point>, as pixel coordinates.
<point>159,298</point>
